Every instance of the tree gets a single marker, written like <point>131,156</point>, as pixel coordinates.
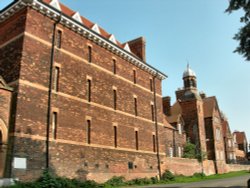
<point>189,151</point>
<point>243,36</point>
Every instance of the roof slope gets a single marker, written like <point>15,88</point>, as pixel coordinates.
<point>87,23</point>
<point>175,113</point>
<point>240,137</point>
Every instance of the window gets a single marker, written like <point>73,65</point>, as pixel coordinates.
<point>88,131</point>
<point>89,54</point>
<point>56,78</point>
<point>217,133</point>
<point>59,39</point>
<point>130,165</point>
<point>152,112</point>
<point>231,156</point>
<point>114,66</point>
<point>115,136</point>
<point>136,141</point>
<point>151,84</point>
<point>170,152</point>
<point>179,128</point>
<point>179,151</point>
<point>115,98</point>
<point>89,90</point>
<point>234,156</point>
<point>229,143</point>
<point>54,125</point>
<point>135,103</point>
<point>154,143</point>
<point>134,73</point>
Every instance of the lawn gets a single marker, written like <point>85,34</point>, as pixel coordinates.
<point>187,179</point>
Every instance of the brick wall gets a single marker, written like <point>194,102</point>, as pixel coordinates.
<point>70,150</point>
<point>188,167</point>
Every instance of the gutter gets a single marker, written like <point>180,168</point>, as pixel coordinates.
<point>50,90</point>
<point>156,131</point>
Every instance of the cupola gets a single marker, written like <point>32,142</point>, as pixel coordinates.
<point>189,78</point>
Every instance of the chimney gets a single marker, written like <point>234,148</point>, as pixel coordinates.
<point>166,101</point>
<point>203,95</point>
<point>138,47</point>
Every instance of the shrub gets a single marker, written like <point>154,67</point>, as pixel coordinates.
<point>116,181</point>
<point>189,151</point>
<point>47,180</point>
<point>154,180</point>
<point>199,175</point>
<point>168,176</point>
<point>140,181</point>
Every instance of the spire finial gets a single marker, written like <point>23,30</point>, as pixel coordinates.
<point>187,64</point>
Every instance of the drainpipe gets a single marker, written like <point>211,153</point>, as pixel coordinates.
<point>156,129</point>
<point>50,89</point>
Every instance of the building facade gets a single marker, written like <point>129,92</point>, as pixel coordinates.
<point>230,149</point>
<point>240,142</point>
<point>200,118</point>
<point>83,104</point>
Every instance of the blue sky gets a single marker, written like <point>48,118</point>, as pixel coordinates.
<point>178,31</point>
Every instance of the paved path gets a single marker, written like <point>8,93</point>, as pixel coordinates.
<point>235,182</point>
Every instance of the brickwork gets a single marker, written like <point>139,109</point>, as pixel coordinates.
<point>85,155</point>
<point>188,167</point>
<point>5,106</point>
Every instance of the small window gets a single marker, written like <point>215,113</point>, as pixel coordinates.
<point>136,141</point>
<point>115,136</point>
<point>107,166</point>
<point>170,152</point>
<point>89,54</point>
<point>151,84</point>
<point>56,78</point>
<point>135,106</point>
<point>114,66</point>
<point>152,112</point>
<point>179,152</point>
<point>154,143</point>
<point>134,73</point>
<point>179,128</point>
<point>115,98</point>
<point>59,39</point>
<point>54,125</point>
<point>218,135</point>
<point>88,131</point>
<point>130,165</point>
<point>89,90</point>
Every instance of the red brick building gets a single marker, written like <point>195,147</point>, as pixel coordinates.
<point>199,117</point>
<point>241,144</point>
<point>230,149</point>
<point>83,104</point>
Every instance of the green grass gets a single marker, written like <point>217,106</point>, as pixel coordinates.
<point>188,179</point>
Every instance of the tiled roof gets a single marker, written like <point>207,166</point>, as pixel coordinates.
<point>87,23</point>
<point>175,113</point>
<point>167,124</point>
<point>209,103</point>
<point>225,128</point>
<point>240,137</point>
